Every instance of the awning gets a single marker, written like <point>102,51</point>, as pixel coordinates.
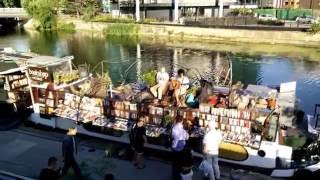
<point>47,60</point>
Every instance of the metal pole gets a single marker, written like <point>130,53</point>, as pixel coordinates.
<point>220,8</point>
<point>176,11</point>
<point>137,10</point>
<point>119,7</point>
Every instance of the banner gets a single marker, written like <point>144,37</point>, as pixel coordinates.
<point>39,74</point>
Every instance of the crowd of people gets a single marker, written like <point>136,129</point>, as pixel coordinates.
<point>182,160</point>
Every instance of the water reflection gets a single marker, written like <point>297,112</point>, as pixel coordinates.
<point>125,60</point>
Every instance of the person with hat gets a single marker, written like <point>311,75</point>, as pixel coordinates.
<point>69,149</point>
<point>211,143</point>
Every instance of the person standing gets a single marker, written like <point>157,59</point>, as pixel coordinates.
<point>186,164</point>
<point>161,87</point>
<point>179,140</point>
<point>52,172</point>
<point>139,138</point>
<point>69,149</point>
<point>211,143</point>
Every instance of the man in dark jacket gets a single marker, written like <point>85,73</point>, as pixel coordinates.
<point>68,151</point>
<point>51,172</point>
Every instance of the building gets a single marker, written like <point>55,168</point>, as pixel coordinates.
<point>291,4</point>
<point>310,4</point>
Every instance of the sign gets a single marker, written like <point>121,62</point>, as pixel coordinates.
<point>39,74</point>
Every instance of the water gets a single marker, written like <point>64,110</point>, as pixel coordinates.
<point>125,60</point>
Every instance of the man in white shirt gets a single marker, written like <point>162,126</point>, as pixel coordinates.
<point>179,134</point>
<point>211,142</point>
<point>179,138</point>
<point>184,86</point>
<point>161,87</point>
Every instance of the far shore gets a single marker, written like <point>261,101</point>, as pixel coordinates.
<point>299,45</point>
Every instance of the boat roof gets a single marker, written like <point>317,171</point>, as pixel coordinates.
<point>9,67</point>
<point>47,60</point>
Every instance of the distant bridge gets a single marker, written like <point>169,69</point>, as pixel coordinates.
<point>13,13</point>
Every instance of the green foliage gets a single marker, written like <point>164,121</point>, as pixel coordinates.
<point>8,3</point>
<point>89,9</point>
<point>109,18</point>
<point>149,77</point>
<point>66,27</point>
<point>122,30</point>
<point>149,20</point>
<point>295,141</point>
<point>43,11</point>
<point>167,120</point>
<point>242,12</point>
<point>271,23</point>
<point>315,28</point>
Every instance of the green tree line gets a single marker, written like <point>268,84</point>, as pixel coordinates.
<point>46,11</point>
<point>10,3</point>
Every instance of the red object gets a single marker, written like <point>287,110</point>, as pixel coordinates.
<point>213,100</point>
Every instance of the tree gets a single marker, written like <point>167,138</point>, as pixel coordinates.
<point>10,3</point>
<point>42,10</point>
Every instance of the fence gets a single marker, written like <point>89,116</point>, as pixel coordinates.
<point>245,22</point>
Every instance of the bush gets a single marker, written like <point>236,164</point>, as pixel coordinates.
<point>122,30</point>
<point>66,27</point>
<point>271,23</point>
<point>149,77</point>
<point>149,20</point>
<point>90,10</point>
<point>109,18</point>
<point>242,12</point>
<point>43,11</point>
<point>315,28</point>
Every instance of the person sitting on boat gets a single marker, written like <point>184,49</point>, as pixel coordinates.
<point>161,87</point>
<point>180,85</point>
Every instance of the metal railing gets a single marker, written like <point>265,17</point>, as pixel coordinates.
<point>244,22</point>
<point>13,12</point>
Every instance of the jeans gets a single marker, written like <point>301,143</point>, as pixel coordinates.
<point>215,171</point>
<point>71,162</point>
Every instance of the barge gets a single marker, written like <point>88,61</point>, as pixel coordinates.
<point>62,96</point>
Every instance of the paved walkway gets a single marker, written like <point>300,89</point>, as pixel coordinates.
<point>26,153</point>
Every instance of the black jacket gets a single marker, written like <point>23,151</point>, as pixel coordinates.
<point>68,146</point>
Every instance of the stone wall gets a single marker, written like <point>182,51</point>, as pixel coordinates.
<point>210,34</point>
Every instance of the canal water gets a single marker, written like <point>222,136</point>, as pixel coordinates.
<point>126,59</point>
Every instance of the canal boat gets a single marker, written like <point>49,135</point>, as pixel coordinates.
<point>63,97</point>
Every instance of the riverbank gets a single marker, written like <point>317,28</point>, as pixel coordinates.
<point>208,35</point>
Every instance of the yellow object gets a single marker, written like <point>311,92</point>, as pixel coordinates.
<point>234,152</point>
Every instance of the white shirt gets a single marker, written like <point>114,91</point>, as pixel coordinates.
<point>184,84</point>
<point>212,141</point>
<point>178,134</point>
<point>162,78</point>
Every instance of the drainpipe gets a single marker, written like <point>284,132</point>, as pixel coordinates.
<point>137,10</point>
<point>221,8</point>
<point>176,10</point>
